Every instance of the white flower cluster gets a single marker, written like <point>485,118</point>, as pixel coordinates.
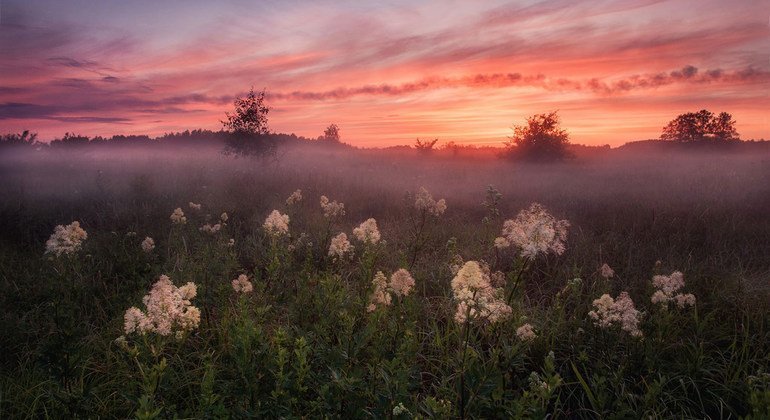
<point>367,232</point>
<point>534,232</point>
<point>425,202</point>
<point>620,311</point>
<point>242,284</point>
<point>276,224</point>
<point>332,208</point>
<point>476,297</point>
<point>294,198</point>
<point>194,206</point>
<point>168,310</point>
<point>606,271</point>
<point>211,229</point>
<point>401,284</point>
<point>340,246</point>
<point>178,217</point>
<point>148,244</point>
<point>667,288</point>
<point>526,333</point>
<point>66,239</point>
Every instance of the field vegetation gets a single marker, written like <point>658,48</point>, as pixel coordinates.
<point>342,283</point>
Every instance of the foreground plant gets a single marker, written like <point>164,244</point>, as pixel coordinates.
<point>427,209</point>
<point>66,239</point>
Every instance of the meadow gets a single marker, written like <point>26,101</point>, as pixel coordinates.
<point>652,299</point>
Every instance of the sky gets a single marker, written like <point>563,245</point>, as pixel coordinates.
<point>386,72</point>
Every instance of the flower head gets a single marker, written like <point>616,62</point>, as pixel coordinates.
<point>276,224</point>
<point>621,311</point>
<point>66,239</point>
<point>294,198</point>
<point>380,295</point>
<point>340,246</point>
<point>667,288</point>
<point>148,244</point>
<point>534,231</point>
<point>168,310</point>
<point>401,282</point>
<point>476,297</point>
<point>178,217</point>
<point>211,229</point>
<point>194,206</point>
<point>425,202</point>
<point>606,271</point>
<point>526,333</point>
<point>367,232</point>
<point>242,284</point>
<point>332,208</point>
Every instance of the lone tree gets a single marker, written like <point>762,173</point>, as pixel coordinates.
<point>247,126</point>
<point>425,146</point>
<point>541,139</point>
<point>700,126</point>
<point>332,134</point>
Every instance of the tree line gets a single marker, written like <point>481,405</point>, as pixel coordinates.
<point>245,132</point>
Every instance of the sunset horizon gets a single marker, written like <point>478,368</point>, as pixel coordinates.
<point>386,73</point>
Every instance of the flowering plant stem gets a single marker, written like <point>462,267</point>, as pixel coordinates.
<point>419,227</point>
<point>466,337</point>
<point>517,279</point>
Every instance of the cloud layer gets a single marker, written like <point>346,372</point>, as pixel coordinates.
<point>386,72</point>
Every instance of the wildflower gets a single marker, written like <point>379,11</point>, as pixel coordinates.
<point>367,232</point>
<point>401,282</point>
<point>620,311</point>
<point>685,300</point>
<point>231,242</point>
<point>224,217</point>
<point>66,239</point>
<point>211,229</point>
<point>332,208</point>
<point>475,296</point>
<point>168,310</point>
<point>178,217</point>
<point>340,246</point>
<point>121,342</point>
<point>501,242</point>
<point>194,206</point>
<point>425,202</point>
<point>380,295</point>
<point>294,198</point>
<point>130,234</point>
<point>667,288</point>
<point>277,224</point>
<point>242,284</point>
<point>606,271</point>
<point>400,409</point>
<point>535,231</point>
<point>525,333</point>
<point>148,244</point>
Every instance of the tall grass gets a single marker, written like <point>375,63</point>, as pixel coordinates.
<point>303,344</point>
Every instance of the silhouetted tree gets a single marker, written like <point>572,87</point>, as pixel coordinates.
<point>540,139</point>
<point>699,126</point>
<point>13,139</point>
<point>425,146</point>
<point>332,134</point>
<point>247,126</point>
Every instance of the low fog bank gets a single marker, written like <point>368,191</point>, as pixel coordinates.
<point>693,211</point>
<point>665,180</point>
